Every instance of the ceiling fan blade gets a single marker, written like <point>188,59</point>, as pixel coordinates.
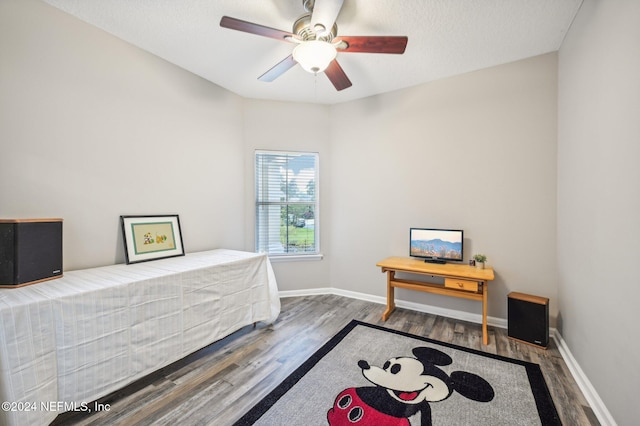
<point>337,76</point>
<point>279,69</point>
<point>325,13</point>
<point>373,44</point>
<point>250,27</point>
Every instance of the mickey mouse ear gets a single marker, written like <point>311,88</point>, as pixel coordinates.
<point>431,355</point>
<point>472,386</point>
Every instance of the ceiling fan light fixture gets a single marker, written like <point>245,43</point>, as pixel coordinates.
<point>314,56</point>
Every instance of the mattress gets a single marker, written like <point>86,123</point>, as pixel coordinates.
<point>67,342</point>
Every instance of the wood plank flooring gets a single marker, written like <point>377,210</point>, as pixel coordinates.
<point>218,384</point>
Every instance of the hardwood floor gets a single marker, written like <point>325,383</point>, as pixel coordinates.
<point>218,384</point>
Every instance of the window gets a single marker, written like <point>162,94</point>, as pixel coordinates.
<point>287,203</point>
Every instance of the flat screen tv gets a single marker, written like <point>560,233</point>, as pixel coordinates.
<point>436,245</point>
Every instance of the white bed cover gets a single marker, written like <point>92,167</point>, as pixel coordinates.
<point>67,342</point>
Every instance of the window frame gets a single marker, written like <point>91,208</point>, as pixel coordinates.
<point>290,256</point>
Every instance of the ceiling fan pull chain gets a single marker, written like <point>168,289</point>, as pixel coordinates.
<point>315,86</point>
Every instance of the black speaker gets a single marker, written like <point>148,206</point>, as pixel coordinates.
<point>30,251</point>
<point>528,318</point>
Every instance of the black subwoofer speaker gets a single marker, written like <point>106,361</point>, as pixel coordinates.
<point>30,251</point>
<point>528,318</point>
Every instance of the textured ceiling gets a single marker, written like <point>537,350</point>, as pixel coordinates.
<point>446,38</point>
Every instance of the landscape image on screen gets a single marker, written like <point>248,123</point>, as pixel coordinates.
<point>436,243</point>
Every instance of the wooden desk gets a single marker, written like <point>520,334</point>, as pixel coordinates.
<point>463,281</point>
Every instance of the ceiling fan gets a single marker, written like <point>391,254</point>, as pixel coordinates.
<point>317,42</point>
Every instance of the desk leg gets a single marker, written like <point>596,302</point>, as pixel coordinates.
<point>485,331</point>
<point>391,299</point>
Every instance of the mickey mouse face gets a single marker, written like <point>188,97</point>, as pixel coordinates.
<point>406,381</point>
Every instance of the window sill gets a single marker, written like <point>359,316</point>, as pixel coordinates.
<point>295,258</point>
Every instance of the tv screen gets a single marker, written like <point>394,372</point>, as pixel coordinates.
<point>436,244</point>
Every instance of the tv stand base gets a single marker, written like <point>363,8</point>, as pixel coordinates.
<point>462,281</point>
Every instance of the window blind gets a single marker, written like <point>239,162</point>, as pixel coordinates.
<point>286,203</point>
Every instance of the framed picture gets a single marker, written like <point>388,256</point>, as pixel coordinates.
<point>151,237</point>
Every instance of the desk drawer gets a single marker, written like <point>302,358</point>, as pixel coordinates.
<point>461,284</point>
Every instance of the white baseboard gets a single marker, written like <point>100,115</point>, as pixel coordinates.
<point>595,402</point>
<point>592,397</point>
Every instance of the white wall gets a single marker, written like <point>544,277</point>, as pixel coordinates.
<point>291,127</point>
<point>92,128</point>
<point>599,199</point>
<point>475,152</point>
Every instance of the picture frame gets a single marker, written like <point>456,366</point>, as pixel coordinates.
<point>151,237</point>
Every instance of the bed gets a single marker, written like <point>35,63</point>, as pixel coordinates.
<point>67,342</point>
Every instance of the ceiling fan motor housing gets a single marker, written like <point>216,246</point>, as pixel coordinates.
<point>302,28</point>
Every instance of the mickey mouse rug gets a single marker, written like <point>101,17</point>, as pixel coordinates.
<point>368,375</point>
